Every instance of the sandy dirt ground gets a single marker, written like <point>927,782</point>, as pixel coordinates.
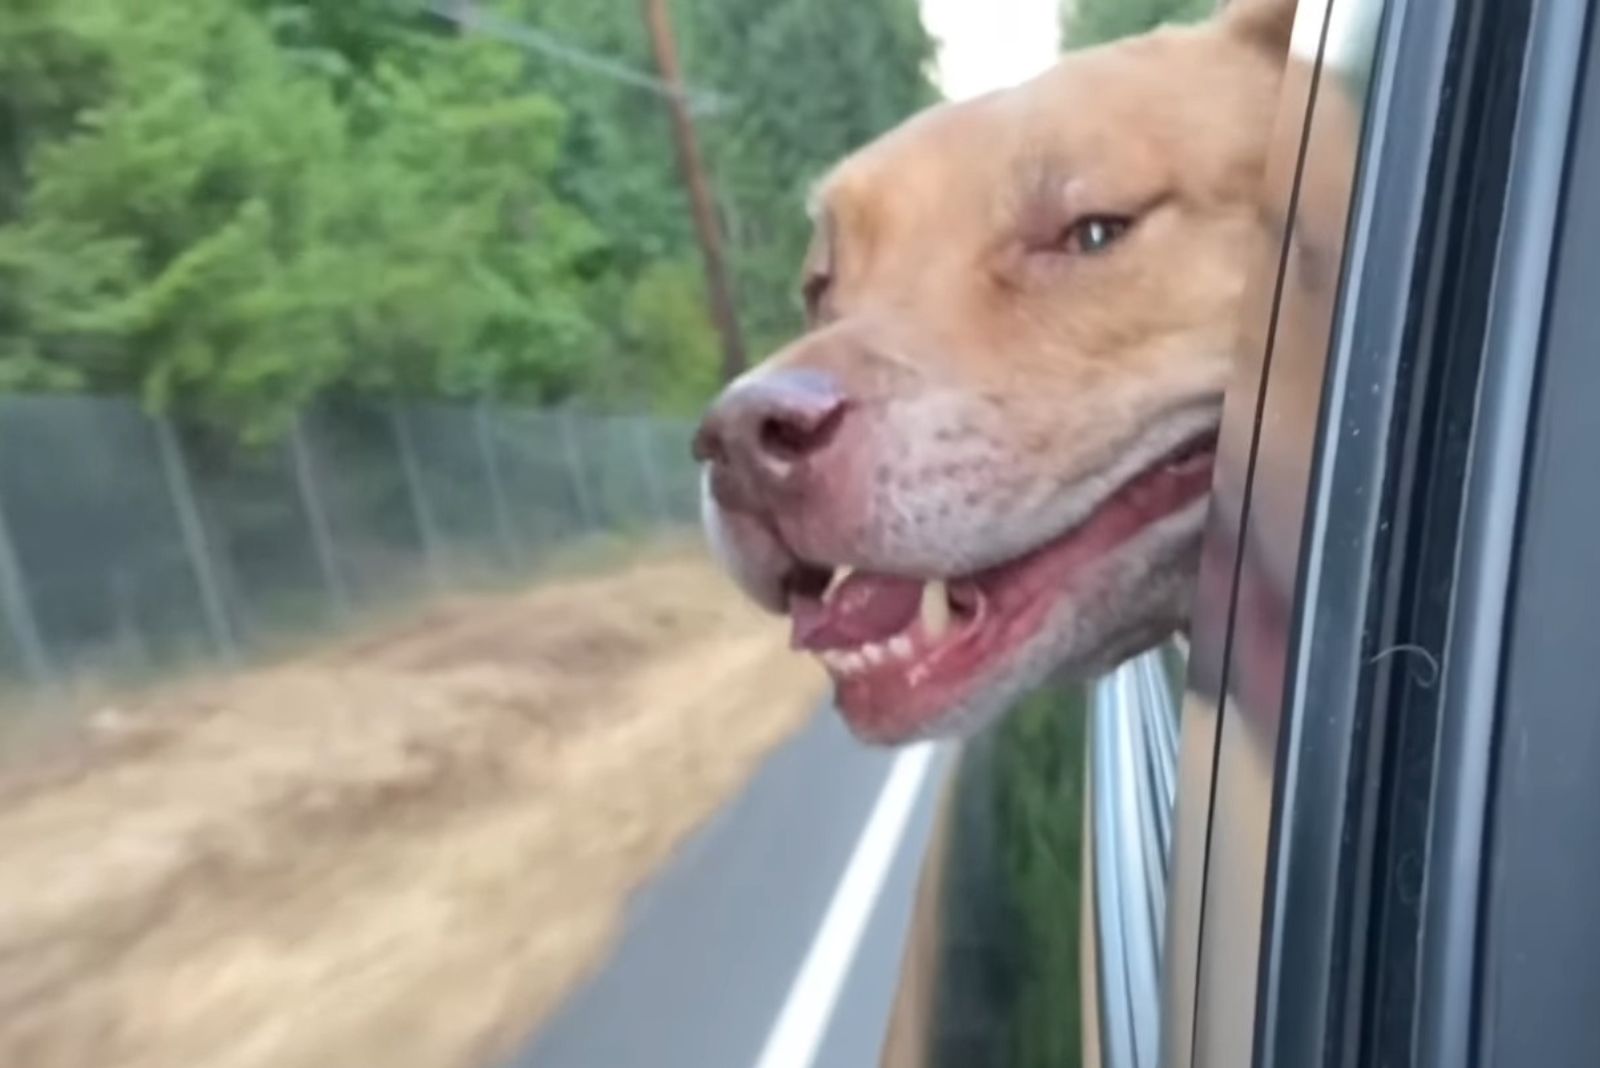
<point>397,852</point>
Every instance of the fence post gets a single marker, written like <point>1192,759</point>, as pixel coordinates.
<point>580,489</point>
<point>122,596</point>
<point>202,561</point>
<point>18,611</point>
<point>644,443</point>
<point>317,518</point>
<point>497,491</point>
<point>421,508</point>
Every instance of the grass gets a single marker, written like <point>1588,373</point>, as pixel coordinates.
<point>1038,797</point>
<point>1002,968</point>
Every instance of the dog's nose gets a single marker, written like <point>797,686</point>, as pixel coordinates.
<point>762,432</point>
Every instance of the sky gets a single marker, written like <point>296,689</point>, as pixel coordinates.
<point>990,44</point>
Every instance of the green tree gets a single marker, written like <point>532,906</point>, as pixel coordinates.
<point>808,82</point>
<point>1092,22</point>
<point>797,84</point>
<point>230,230</point>
<point>232,207</point>
<point>616,167</point>
<point>348,39</point>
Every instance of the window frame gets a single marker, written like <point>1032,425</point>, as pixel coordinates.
<point>1282,920</point>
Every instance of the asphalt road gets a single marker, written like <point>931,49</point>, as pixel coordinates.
<point>774,939</point>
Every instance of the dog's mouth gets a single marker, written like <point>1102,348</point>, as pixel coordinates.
<point>904,650</point>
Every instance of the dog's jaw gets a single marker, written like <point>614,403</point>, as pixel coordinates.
<point>1130,603</point>
<point>1105,573</point>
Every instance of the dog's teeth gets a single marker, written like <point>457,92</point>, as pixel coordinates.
<point>900,647</point>
<point>839,576</point>
<point>935,609</point>
<point>842,662</point>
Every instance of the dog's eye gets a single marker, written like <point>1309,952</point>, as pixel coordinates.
<point>1094,233</point>
<point>814,290</point>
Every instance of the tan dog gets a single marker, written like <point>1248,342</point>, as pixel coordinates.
<point>988,457</point>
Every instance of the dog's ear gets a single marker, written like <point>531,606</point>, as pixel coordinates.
<point>1268,23</point>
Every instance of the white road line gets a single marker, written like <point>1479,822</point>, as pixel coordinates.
<point>795,1038</point>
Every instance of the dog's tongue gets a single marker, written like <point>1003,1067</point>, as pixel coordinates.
<point>865,608</point>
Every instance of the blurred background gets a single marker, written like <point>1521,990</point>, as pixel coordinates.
<point>365,697</point>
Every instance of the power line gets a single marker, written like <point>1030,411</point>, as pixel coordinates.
<point>471,17</point>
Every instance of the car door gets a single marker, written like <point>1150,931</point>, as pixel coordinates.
<point>1347,886</point>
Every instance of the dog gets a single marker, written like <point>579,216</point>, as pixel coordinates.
<point>987,459</point>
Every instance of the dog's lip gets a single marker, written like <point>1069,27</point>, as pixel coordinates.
<point>894,679</point>
<point>809,580</point>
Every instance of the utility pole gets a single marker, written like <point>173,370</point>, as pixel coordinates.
<point>723,311</point>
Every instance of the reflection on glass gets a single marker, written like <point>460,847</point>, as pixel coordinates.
<point>1316,168</point>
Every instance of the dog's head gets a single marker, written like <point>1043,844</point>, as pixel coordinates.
<point>988,456</point>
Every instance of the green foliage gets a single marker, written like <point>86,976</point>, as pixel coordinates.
<point>668,328</point>
<point>222,233</point>
<point>1092,22</point>
<point>809,81</point>
<point>799,83</point>
<point>1039,801</point>
<point>617,167</point>
<point>230,207</point>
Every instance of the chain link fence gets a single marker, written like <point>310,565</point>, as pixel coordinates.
<point>130,547</point>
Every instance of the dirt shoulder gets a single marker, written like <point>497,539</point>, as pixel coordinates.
<point>398,852</point>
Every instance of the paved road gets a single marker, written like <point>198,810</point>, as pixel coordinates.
<point>774,938</point>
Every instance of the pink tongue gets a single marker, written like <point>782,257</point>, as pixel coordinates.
<point>865,608</point>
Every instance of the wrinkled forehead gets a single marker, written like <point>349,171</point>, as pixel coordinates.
<point>1144,113</point>
<point>928,171</point>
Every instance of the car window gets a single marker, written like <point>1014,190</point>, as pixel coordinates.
<point>1133,750</point>
<point>1372,556</point>
<point>1250,572</point>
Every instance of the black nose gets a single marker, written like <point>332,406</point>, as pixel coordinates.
<point>764,431</point>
